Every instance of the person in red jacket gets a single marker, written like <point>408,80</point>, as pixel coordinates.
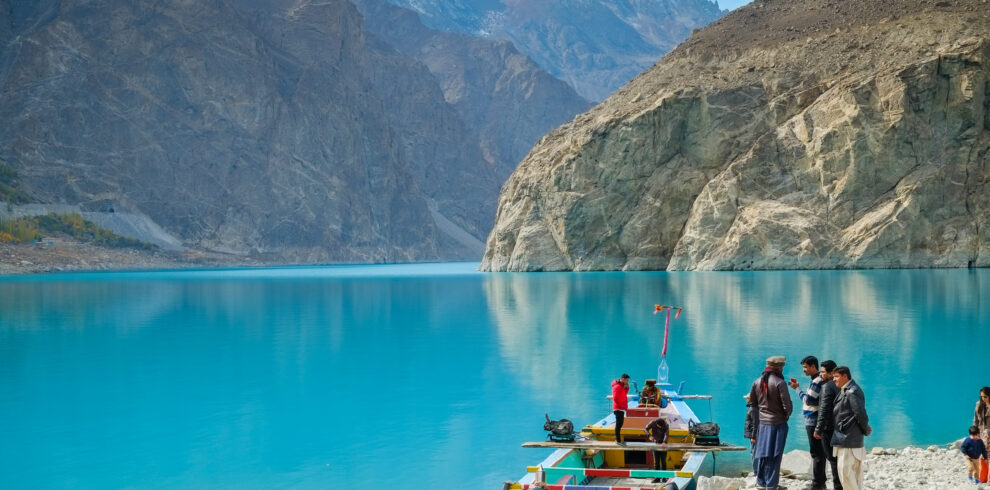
<point>620,388</point>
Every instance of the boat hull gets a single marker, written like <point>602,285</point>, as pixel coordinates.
<point>602,464</point>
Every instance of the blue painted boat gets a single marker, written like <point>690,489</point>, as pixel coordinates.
<point>595,462</point>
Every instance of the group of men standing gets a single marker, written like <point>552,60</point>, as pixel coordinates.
<point>835,419</point>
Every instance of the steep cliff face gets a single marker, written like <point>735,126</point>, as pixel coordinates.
<point>503,98</point>
<point>446,159</point>
<point>235,142</point>
<point>5,18</point>
<point>276,130</point>
<point>786,135</point>
<point>594,45</point>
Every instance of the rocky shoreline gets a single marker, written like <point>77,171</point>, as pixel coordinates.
<point>931,468</point>
<point>83,257</point>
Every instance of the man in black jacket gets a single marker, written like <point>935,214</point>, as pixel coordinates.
<point>825,425</point>
<point>851,425</point>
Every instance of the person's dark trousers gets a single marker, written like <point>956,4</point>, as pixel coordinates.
<point>833,461</point>
<point>817,459</point>
<point>752,457</point>
<point>660,460</point>
<point>620,417</point>
<point>768,471</point>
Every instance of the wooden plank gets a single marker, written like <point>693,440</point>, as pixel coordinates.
<point>634,446</point>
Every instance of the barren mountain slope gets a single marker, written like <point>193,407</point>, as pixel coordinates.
<point>788,134</point>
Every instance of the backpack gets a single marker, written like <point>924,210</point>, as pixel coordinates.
<point>703,428</point>
<point>559,430</point>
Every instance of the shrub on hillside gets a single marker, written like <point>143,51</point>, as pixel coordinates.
<point>73,225</point>
<point>8,186</point>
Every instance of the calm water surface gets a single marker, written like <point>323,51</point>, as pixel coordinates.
<point>420,376</point>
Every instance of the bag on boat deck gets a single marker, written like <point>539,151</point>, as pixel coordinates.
<point>703,428</point>
<point>705,433</point>
<point>559,430</point>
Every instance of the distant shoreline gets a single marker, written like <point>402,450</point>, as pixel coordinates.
<point>69,256</point>
<point>64,257</point>
<point>22,259</point>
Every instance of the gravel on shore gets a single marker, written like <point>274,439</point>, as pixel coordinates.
<point>17,259</point>
<point>929,468</point>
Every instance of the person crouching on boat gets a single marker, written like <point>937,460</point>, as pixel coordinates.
<point>658,429</point>
<point>772,396</point>
<point>620,388</point>
<point>650,396</point>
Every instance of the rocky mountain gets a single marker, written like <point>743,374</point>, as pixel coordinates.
<point>502,96</point>
<point>596,46</point>
<point>283,131</point>
<point>788,134</point>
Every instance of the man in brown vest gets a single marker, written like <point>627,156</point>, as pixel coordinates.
<point>774,401</point>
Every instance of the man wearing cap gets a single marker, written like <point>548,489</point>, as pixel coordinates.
<point>825,425</point>
<point>769,392</point>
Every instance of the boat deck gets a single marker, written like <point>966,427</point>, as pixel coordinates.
<point>596,462</point>
<point>637,418</point>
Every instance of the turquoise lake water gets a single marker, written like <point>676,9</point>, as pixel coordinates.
<point>429,376</point>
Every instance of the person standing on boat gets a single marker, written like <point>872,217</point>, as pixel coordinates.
<point>750,427</point>
<point>825,425</point>
<point>771,395</point>
<point>620,388</point>
<point>809,408</point>
<point>851,425</point>
<point>658,429</point>
<point>981,418</point>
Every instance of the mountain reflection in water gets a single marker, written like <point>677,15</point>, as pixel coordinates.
<point>317,377</point>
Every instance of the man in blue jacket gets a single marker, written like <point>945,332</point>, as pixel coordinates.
<point>851,425</point>
<point>809,408</point>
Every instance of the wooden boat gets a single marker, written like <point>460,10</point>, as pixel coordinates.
<point>595,462</point>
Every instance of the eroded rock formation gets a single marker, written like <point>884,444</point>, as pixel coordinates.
<point>786,135</point>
